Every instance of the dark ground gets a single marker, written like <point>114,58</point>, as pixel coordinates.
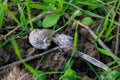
<point>53,61</point>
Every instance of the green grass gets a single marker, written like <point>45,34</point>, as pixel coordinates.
<point>22,18</point>
<point>2,13</point>
<point>29,12</point>
<point>18,54</point>
<point>3,7</point>
<point>90,9</point>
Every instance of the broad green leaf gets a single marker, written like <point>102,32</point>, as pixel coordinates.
<point>50,20</point>
<point>87,21</point>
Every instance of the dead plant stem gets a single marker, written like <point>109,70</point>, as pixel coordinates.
<point>28,59</point>
<point>95,36</point>
<point>117,39</point>
<point>40,16</point>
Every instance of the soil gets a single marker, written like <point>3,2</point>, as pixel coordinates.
<point>53,61</point>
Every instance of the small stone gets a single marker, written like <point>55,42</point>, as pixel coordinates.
<point>38,38</point>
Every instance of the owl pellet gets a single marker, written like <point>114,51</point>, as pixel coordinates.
<point>38,37</point>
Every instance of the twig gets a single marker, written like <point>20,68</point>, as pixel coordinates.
<point>29,58</point>
<point>95,36</point>
<point>91,60</point>
<point>117,39</point>
<point>40,16</point>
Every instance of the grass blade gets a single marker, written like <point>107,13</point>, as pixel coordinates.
<point>90,13</point>
<point>92,4</point>
<point>9,13</point>
<point>22,18</point>
<point>2,13</point>
<point>111,27</point>
<point>31,69</point>
<point>40,6</point>
<point>85,11</point>
<point>50,2</point>
<point>69,20</point>
<point>107,53</point>
<point>75,41</point>
<point>104,25</point>
<point>60,4</point>
<point>15,47</point>
<point>17,52</point>
<point>29,13</point>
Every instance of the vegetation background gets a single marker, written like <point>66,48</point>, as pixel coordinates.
<point>94,25</point>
